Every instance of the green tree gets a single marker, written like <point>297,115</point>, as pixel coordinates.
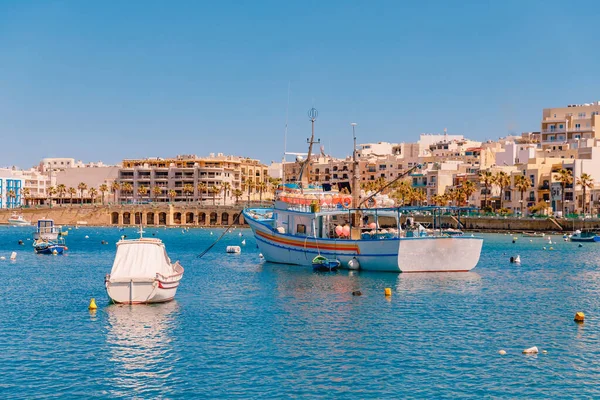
<point>586,182</point>
<point>522,184</point>
<point>565,177</point>
<point>82,187</point>
<point>103,189</point>
<point>502,180</point>
<point>487,179</point>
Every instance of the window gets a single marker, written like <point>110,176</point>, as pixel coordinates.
<point>532,178</point>
<point>561,126</point>
<point>581,115</point>
<point>577,126</point>
<point>301,229</point>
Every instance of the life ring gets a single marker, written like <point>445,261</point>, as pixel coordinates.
<point>371,203</point>
<point>336,199</point>
<point>346,202</point>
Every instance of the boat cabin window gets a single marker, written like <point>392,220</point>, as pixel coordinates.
<point>301,229</point>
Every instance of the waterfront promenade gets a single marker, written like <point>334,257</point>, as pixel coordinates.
<point>200,215</point>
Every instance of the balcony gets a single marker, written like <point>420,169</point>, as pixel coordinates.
<point>419,184</point>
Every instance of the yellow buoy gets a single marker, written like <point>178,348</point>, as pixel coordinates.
<point>388,291</point>
<point>92,305</point>
<point>502,352</point>
<point>579,316</point>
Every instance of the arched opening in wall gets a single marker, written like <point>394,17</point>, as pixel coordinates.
<point>213,218</point>
<point>177,218</point>
<point>189,218</point>
<point>162,218</point>
<point>225,218</point>
<point>150,218</point>
<point>126,218</point>
<point>235,216</point>
<point>138,218</point>
<point>114,218</point>
<point>202,218</point>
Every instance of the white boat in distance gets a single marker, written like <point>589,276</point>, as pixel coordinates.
<point>142,273</point>
<point>18,220</point>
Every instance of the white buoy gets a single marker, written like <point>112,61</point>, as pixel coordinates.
<point>87,237</point>
<point>244,242</point>
<point>531,350</point>
<point>260,255</point>
<point>518,259</point>
<point>233,249</point>
<point>2,258</point>
<point>353,264</point>
<point>240,234</point>
<point>13,255</point>
<point>211,233</point>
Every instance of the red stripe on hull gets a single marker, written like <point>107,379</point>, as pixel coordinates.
<point>309,245</point>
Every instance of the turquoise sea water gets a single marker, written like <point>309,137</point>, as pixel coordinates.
<point>240,328</point>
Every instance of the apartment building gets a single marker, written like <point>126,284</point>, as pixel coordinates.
<point>11,193</point>
<point>227,173</point>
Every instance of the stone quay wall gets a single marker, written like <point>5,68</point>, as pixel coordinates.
<point>124,215</point>
<point>183,214</point>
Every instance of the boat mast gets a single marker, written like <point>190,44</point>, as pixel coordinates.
<point>355,178</point>
<point>305,178</point>
<point>355,188</point>
<point>287,109</point>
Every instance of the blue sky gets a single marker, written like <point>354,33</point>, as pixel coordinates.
<point>122,79</point>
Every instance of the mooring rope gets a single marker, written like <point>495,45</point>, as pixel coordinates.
<point>236,219</point>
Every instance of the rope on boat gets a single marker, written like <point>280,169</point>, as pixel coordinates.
<point>235,220</point>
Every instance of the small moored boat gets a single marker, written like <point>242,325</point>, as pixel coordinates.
<point>321,263</point>
<point>18,220</point>
<point>142,273</point>
<point>41,246</point>
<point>579,236</point>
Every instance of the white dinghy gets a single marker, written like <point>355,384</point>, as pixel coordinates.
<point>142,273</point>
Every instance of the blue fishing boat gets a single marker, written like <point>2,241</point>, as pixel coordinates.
<point>589,237</point>
<point>48,238</point>
<point>324,264</point>
<point>49,247</point>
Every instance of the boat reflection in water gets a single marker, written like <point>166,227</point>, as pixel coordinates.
<point>141,347</point>
<point>458,282</point>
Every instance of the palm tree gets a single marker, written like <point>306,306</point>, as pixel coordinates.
<point>522,183</point>
<point>214,190</point>
<point>172,194</point>
<point>142,191</point>
<point>226,188</point>
<point>93,192</point>
<point>61,190</point>
<point>72,192</point>
<point>251,185</point>
<point>452,195</point>
<point>201,189</point>
<point>487,179</point>
<point>103,189</point>
<point>586,182</point>
<point>237,193</point>
<point>379,183</point>
<point>565,177</point>
<point>419,196</point>
<point>261,187</point>
<point>82,186</point>
<point>437,200</point>
<point>468,188</point>
<point>187,190</point>
<point>115,187</point>
<point>502,180</point>
<point>156,191</point>
<point>403,191</point>
<point>26,194</point>
<point>51,192</point>
<point>127,188</point>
